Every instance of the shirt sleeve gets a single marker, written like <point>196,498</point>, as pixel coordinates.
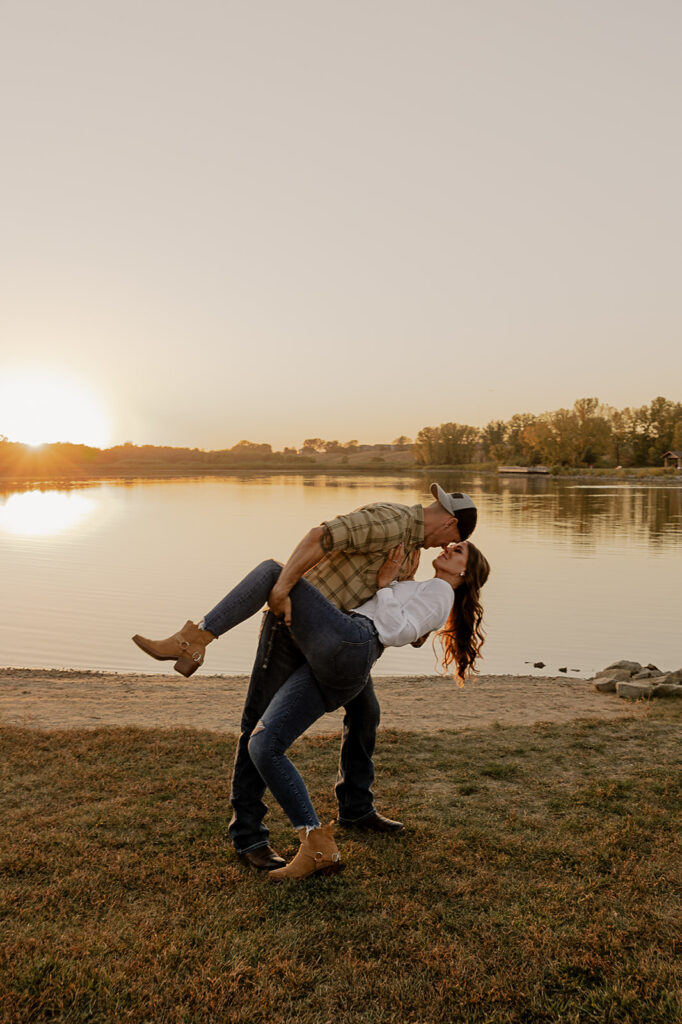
<point>366,529</point>
<point>428,608</point>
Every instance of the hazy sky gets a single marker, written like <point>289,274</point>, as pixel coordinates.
<point>278,219</point>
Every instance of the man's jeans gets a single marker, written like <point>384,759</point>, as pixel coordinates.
<point>277,658</point>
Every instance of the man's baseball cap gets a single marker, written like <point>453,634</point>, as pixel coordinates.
<point>459,505</point>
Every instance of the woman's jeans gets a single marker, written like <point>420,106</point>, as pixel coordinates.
<point>293,708</point>
<point>277,658</point>
<point>339,649</point>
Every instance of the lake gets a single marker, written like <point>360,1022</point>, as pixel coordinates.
<point>582,573</point>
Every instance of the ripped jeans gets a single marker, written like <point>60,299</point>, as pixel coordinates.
<point>339,649</point>
<point>291,711</point>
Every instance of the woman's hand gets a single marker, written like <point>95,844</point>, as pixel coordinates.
<point>391,567</point>
<point>411,565</point>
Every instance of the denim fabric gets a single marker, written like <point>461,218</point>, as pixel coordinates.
<point>341,650</point>
<point>296,706</point>
<point>356,768</point>
<point>277,658</point>
<point>244,600</point>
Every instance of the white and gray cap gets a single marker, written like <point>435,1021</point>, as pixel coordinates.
<point>459,505</point>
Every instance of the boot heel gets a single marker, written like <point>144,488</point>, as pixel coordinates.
<point>331,869</point>
<point>186,665</point>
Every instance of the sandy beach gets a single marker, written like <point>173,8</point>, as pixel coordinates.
<point>65,699</point>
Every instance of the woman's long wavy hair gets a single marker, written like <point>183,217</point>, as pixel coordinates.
<point>462,636</point>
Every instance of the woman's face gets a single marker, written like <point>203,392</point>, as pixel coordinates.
<point>452,560</point>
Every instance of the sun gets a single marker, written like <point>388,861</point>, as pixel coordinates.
<point>38,406</point>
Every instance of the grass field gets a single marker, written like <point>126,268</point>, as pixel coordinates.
<point>539,880</point>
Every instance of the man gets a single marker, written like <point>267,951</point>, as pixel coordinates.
<point>341,557</point>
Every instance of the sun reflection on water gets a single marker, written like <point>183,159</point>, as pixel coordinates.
<point>43,513</point>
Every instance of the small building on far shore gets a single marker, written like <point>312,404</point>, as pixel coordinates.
<point>672,460</point>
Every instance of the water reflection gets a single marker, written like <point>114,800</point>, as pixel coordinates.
<point>43,513</point>
<point>588,513</point>
<point>578,574</point>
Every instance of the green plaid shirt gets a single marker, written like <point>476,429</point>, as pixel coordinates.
<point>356,546</point>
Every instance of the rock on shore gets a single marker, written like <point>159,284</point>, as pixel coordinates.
<point>633,681</point>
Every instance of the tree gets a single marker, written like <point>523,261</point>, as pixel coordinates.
<point>664,417</point>
<point>639,435</point>
<point>519,447</point>
<point>251,448</point>
<point>450,444</point>
<point>594,431</point>
<point>618,425</point>
<point>561,431</point>
<point>494,440</point>
<point>314,443</point>
<point>426,446</point>
<point>677,436</point>
<point>458,443</point>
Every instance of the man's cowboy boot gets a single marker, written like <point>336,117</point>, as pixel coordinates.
<point>317,855</point>
<point>186,648</point>
<point>263,858</point>
<point>374,822</point>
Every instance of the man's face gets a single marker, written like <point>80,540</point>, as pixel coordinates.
<point>447,532</point>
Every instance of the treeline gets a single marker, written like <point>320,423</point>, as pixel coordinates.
<point>589,434</point>
<point>79,460</point>
<point>318,446</point>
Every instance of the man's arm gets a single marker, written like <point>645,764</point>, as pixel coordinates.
<point>305,555</point>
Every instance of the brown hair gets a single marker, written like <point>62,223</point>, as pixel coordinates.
<point>462,635</point>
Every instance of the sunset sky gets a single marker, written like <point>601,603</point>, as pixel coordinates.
<point>274,220</point>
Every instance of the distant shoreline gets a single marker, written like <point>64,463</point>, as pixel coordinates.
<point>642,475</point>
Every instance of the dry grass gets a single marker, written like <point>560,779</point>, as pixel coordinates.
<point>539,881</point>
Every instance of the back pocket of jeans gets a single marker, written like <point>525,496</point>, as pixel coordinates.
<point>350,662</point>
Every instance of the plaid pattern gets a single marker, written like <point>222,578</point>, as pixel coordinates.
<point>357,545</point>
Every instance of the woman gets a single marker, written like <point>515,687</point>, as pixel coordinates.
<point>340,650</point>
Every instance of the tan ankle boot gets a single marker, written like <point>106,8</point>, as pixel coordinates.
<point>317,854</point>
<point>186,648</point>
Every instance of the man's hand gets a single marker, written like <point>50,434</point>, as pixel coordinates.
<point>391,567</point>
<point>279,603</point>
<point>305,555</point>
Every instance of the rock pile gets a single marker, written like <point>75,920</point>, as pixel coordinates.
<point>631,680</point>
